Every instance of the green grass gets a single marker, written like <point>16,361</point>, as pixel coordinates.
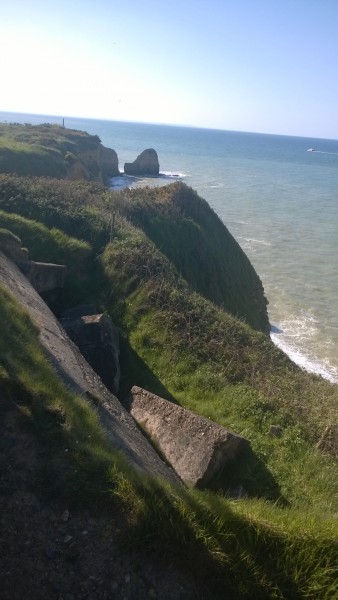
<point>182,226</point>
<point>280,540</point>
<point>42,150</point>
<point>252,548</point>
<point>219,367</point>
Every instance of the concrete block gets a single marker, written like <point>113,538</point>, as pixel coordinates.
<point>196,447</point>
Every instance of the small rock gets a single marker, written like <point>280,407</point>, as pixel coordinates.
<point>114,586</point>
<point>65,516</point>
<point>127,578</point>
<point>67,538</point>
<point>276,431</point>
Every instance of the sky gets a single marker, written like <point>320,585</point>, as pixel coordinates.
<point>265,66</point>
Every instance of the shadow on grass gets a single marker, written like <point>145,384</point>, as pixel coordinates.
<point>134,371</point>
<point>228,555</point>
<point>248,476</point>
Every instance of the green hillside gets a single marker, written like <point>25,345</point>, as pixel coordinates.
<point>193,318</point>
<point>50,150</point>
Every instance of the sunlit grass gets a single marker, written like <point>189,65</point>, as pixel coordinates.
<point>280,539</point>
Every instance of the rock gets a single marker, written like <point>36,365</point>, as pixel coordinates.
<point>275,431</point>
<point>108,161</point>
<point>145,164</point>
<point>44,277</point>
<point>67,539</point>
<point>98,340</point>
<point>196,447</point>
<point>65,515</point>
<point>10,245</point>
<point>48,279</point>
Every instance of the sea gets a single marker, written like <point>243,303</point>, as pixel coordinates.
<point>278,197</point>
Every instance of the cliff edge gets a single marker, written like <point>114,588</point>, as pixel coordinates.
<point>55,151</point>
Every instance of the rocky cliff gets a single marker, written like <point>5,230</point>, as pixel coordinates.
<point>52,150</point>
<point>146,164</point>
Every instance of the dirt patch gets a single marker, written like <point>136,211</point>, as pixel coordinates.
<point>49,551</point>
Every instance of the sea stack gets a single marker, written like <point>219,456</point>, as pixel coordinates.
<point>146,164</point>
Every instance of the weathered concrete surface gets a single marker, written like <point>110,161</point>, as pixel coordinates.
<point>44,277</point>
<point>145,164</point>
<point>80,378</point>
<point>196,448</point>
<point>98,341</point>
<point>10,245</point>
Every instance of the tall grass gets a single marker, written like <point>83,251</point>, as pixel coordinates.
<point>280,539</point>
<point>251,548</point>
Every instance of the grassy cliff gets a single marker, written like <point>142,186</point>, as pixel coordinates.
<point>143,256</point>
<point>54,151</point>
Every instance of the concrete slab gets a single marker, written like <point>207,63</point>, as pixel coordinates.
<point>196,447</point>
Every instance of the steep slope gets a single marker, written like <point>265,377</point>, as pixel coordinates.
<point>275,536</point>
<point>54,151</point>
<point>79,377</point>
<point>184,228</point>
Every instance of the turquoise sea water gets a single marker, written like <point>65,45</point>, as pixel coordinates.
<point>277,198</point>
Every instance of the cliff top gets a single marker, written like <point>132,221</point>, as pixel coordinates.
<point>52,150</point>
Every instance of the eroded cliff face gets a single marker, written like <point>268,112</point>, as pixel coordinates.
<point>145,164</point>
<point>55,151</point>
<point>93,163</point>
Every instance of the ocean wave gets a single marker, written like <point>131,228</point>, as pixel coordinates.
<point>173,174</point>
<point>213,186</point>
<point>128,181</point>
<point>313,151</point>
<point>254,241</point>
<point>306,362</point>
<point>299,336</point>
<point>237,222</point>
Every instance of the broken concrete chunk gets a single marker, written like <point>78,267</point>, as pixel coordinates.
<point>196,447</point>
<point>98,340</point>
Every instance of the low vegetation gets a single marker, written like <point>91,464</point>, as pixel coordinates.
<point>205,346</point>
<point>43,150</point>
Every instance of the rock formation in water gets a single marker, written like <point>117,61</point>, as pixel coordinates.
<point>145,164</point>
<point>54,151</point>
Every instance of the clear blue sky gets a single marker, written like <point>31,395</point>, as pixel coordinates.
<point>247,65</point>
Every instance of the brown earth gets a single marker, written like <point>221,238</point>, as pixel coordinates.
<point>51,551</point>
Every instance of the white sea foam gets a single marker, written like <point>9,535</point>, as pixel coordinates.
<point>308,363</point>
<point>173,174</point>
<point>321,151</point>
<point>254,241</point>
<point>297,336</point>
<point>128,181</point>
<point>213,186</point>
